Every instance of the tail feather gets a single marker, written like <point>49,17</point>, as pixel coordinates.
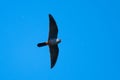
<point>41,44</point>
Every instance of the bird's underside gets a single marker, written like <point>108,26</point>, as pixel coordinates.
<point>52,41</point>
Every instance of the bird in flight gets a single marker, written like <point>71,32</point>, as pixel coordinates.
<point>52,41</point>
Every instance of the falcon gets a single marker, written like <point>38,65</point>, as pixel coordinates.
<point>53,41</point>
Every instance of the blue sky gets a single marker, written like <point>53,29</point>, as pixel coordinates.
<point>90,33</point>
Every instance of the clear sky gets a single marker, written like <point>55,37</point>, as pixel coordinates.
<point>90,33</point>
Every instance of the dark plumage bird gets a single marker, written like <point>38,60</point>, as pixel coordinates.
<point>52,41</point>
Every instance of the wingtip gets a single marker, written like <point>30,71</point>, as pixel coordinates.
<point>49,15</point>
<point>52,66</point>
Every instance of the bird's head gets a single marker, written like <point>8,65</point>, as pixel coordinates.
<point>58,40</point>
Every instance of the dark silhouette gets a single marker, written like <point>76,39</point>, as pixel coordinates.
<point>52,41</point>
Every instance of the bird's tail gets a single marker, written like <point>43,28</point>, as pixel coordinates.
<point>42,44</point>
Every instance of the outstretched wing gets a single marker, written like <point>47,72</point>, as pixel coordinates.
<point>53,54</point>
<point>53,30</point>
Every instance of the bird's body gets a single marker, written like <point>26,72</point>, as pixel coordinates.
<point>52,41</point>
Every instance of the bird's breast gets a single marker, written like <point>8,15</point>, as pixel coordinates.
<point>53,41</point>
